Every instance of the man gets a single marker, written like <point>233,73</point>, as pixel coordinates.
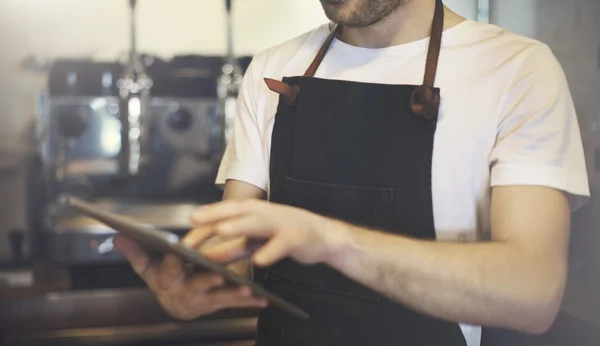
<point>400,132</point>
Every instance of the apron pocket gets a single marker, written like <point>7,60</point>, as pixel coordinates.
<point>366,206</point>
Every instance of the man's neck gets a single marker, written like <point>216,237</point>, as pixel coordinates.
<point>409,23</point>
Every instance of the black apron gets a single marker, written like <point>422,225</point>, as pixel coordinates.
<point>361,153</point>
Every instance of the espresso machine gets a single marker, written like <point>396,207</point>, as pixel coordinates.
<point>142,138</point>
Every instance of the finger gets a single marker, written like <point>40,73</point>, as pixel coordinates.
<point>220,211</point>
<point>274,250</point>
<point>246,299</point>
<point>201,283</point>
<point>244,303</point>
<point>250,225</point>
<point>231,297</point>
<point>170,273</point>
<point>140,262</point>
<point>132,252</point>
<point>130,249</point>
<point>198,236</point>
<point>228,251</point>
<point>208,305</point>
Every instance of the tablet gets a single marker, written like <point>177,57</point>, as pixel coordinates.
<point>161,241</point>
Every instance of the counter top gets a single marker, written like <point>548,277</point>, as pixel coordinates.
<point>91,309</point>
<point>114,317</point>
<point>226,332</point>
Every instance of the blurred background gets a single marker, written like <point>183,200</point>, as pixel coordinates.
<point>128,104</point>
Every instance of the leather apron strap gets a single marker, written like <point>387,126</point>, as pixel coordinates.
<point>424,100</point>
<point>314,66</point>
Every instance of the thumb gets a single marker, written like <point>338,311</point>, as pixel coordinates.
<point>227,251</point>
<point>132,252</point>
<point>275,250</point>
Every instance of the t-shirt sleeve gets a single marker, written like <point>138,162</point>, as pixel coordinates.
<point>538,136</point>
<point>244,158</point>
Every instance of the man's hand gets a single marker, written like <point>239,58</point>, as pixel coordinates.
<point>186,295</point>
<point>306,237</point>
<point>182,295</point>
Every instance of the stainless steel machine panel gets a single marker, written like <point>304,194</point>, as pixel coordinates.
<point>188,126</point>
<point>93,125</point>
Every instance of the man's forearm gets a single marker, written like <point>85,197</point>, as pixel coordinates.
<point>238,190</point>
<point>492,284</point>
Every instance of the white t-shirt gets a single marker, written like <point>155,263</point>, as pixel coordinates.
<point>506,118</point>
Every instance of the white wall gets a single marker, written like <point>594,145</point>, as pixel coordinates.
<point>100,27</point>
<point>466,8</point>
<point>519,16</point>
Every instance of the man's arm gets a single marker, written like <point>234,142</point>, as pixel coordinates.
<point>515,281</point>
<point>239,190</point>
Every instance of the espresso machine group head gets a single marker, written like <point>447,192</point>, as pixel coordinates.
<point>230,80</point>
<point>134,91</point>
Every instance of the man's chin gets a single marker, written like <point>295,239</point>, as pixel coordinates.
<point>346,21</point>
<point>334,3</point>
<point>334,9</point>
<point>339,17</point>
<point>342,15</point>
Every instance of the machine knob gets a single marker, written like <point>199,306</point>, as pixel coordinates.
<point>180,120</point>
<point>71,124</point>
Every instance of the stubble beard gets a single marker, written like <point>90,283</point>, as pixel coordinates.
<point>360,13</point>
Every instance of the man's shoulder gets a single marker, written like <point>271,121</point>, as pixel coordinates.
<point>506,59</point>
<point>291,55</point>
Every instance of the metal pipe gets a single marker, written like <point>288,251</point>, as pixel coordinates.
<point>230,79</point>
<point>134,91</point>
<point>483,11</point>
<point>133,33</point>
<point>229,23</point>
